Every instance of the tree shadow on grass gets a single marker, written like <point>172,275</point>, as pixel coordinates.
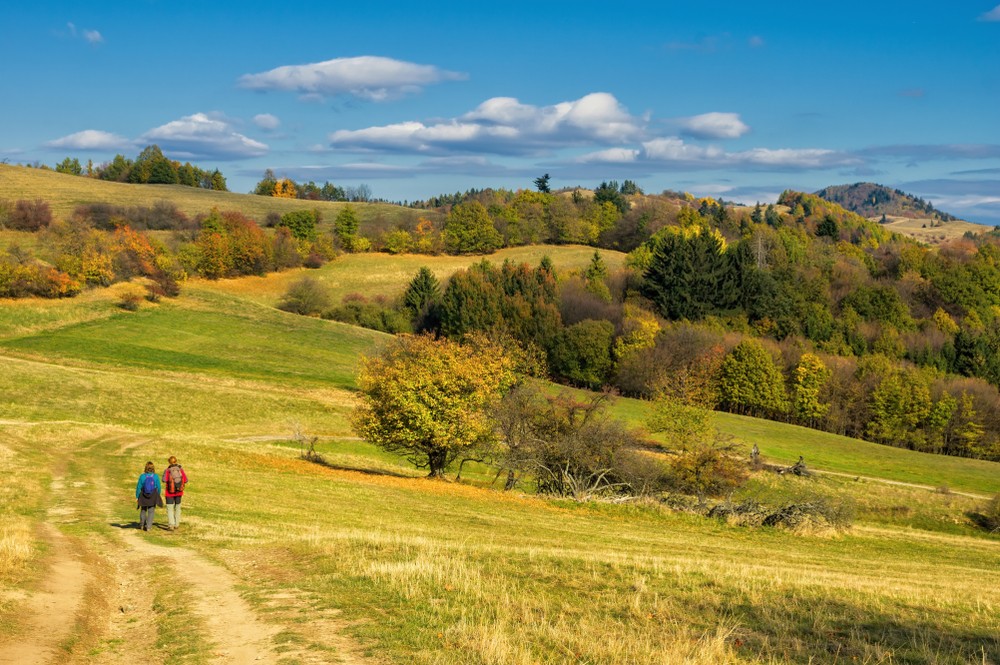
<point>804,629</point>
<point>316,458</point>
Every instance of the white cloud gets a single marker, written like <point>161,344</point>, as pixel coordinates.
<point>756,41</point>
<point>804,158</point>
<point>673,152</point>
<point>673,149</point>
<point>368,77</point>
<point>610,156</point>
<point>991,16</point>
<point>267,121</point>
<point>715,126</point>
<point>92,139</point>
<point>504,125</point>
<point>200,136</point>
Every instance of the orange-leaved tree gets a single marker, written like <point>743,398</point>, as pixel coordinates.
<point>428,399</point>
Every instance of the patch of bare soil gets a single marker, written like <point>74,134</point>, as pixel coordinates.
<point>49,612</point>
<point>239,636</point>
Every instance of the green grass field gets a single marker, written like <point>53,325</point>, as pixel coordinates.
<point>372,562</point>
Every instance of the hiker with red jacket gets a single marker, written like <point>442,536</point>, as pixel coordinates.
<point>174,480</point>
<point>147,496</point>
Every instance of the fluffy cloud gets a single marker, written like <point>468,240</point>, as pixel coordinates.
<point>673,152</point>
<point>504,125</point>
<point>266,121</point>
<point>991,16</point>
<point>368,77</point>
<point>715,126</point>
<point>203,136</point>
<point>92,139</point>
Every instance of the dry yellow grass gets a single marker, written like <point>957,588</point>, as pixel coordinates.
<point>924,231</point>
<point>65,192</point>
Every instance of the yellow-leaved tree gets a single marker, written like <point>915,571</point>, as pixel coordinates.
<point>284,189</point>
<point>428,399</point>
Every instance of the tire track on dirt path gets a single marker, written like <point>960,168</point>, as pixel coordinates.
<point>50,612</point>
<point>898,483</point>
<point>238,636</point>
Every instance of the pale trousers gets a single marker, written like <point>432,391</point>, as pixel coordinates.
<point>173,511</point>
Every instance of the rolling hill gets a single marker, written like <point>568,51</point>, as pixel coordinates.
<point>363,561</point>
<point>870,200</point>
<point>899,212</point>
<point>65,192</point>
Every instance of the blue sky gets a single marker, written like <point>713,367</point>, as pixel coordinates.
<point>734,99</point>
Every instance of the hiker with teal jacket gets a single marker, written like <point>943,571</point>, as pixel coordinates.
<point>147,496</point>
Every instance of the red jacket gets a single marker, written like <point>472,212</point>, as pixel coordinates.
<point>168,486</point>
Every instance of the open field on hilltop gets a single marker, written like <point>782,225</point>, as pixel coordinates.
<point>922,230</point>
<point>387,275</point>
<point>368,563</point>
<point>64,193</point>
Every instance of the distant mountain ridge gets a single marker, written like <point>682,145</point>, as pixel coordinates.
<point>869,199</point>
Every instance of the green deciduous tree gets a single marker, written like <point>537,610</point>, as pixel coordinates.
<point>749,381</point>
<point>469,230</point>
<point>583,353</point>
<point>302,223</point>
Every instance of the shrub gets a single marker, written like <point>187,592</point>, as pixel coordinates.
<point>130,296</point>
<point>307,296</point>
<point>375,315</point>
<point>21,280</point>
<point>988,517</point>
<point>398,242</point>
<point>29,215</point>
<point>314,260</point>
<point>571,447</point>
<point>302,223</point>
<point>819,514</point>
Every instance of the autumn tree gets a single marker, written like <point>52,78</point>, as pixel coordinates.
<point>284,189</point>
<point>265,186</point>
<point>808,380</point>
<point>427,399</point>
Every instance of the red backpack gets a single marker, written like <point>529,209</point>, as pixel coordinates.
<point>175,479</point>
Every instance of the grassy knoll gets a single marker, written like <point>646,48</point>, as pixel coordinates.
<point>386,275</point>
<point>421,571</point>
<point>925,230</point>
<point>64,193</point>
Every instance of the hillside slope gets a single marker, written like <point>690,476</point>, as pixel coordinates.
<point>359,561</point>
<point>65,192</point>
<point>869,199</point>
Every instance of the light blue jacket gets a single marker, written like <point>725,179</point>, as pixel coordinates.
<point>142,476</point>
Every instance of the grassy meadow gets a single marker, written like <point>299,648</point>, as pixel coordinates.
<point>420,571</point>
<point>65,192</point>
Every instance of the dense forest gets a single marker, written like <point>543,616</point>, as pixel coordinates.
<point>871,200</point>
<point>800,311</point>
